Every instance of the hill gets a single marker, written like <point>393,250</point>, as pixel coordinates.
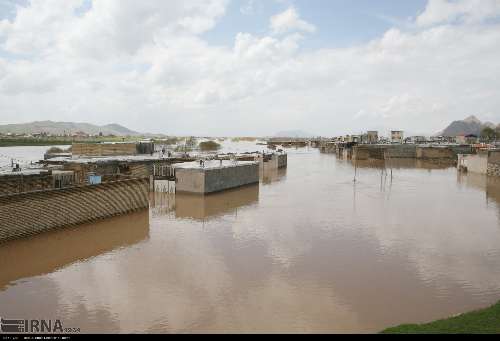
<point>61,128</point>
<point>470,125</point>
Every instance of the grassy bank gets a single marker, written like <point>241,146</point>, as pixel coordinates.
<point>476,322</point>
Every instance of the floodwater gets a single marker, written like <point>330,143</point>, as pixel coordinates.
<point>307,250</point>
<point>23,155</point>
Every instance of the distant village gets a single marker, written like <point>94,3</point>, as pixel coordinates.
<point>397,136</point>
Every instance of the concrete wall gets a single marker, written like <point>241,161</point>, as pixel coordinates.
<point>31,213</point>
<point>190,180</point>
<point>482,163</point>
<point>274,161</point>
<point>210,180</point>
<point>220,179</point>
<point>473,163</point>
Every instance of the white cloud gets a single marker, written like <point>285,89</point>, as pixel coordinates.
<point>470,11</point>
<point>290,20</point>
<point>248,8</point>
<point>160,74</point>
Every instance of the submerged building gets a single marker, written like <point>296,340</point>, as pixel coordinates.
<point>215,176</point>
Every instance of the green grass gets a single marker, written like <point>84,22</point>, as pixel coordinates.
<point>484,321</point>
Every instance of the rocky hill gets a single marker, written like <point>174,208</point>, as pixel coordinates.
<point>471,125</point>
<point>60,128</point>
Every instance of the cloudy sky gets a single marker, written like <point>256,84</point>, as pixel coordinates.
<point>251,67</point>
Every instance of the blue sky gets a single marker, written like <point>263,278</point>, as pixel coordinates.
<point>340,23</point>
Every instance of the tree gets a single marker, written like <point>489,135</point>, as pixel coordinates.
<point>209,146</point>
<point>488,134</point>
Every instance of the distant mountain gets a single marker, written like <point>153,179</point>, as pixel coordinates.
<point>293,133</point>
<point>471,125</point>
<point>60,128</point>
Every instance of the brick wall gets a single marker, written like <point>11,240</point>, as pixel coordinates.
<point>435,153</point>
<point>494,157</point>
<point>381,152</point>
<point>19,183</point>
<point>493,169</point>
<point>114,170</point>
<point>104,149</point>
<point>31,213</point>
<point>402,151</point>
<point>364,152</point>
<point>494,163</point>
<point>282,160</point>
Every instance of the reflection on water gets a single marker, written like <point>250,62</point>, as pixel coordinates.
<point>402,164</point>
<point>48,252</point>
<point>201,207</point>
<point>489,186</point>
<point>24,155</point>
<point>268,175</point>
<point>313,251</point>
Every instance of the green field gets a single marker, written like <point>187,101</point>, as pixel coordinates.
<point>484,321</point>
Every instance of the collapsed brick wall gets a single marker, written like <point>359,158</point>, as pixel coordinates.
<point>112,171</point>
<point>30,213</point>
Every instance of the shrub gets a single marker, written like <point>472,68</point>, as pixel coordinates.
<point>209,145</point>
<point>54,150</point>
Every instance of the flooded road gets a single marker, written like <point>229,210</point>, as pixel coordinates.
<point>307,250</point>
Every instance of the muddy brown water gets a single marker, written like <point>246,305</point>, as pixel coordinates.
<point>307,250</point>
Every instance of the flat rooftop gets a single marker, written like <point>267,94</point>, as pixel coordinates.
<point>26,171</point>
<point>104,159</point>
<point>214,164</point>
